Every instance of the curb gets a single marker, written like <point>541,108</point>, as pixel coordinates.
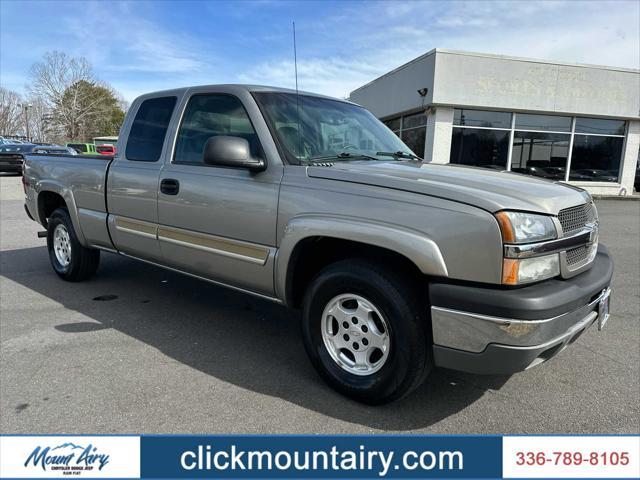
<point>616,197</point>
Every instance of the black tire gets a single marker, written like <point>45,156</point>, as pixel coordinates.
<point>83,261</point>
<point>402,305</point>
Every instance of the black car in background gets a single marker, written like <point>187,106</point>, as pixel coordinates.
<point>535,171</point>
<point>594,175</point>
<point>12,154</point>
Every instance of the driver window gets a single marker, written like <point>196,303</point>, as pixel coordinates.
<point>207,116</point>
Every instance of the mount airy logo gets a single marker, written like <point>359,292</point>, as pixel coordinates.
<point>69,458</point>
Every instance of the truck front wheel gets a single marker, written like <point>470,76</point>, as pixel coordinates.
<point>365,330</point>
<point>69,259</point>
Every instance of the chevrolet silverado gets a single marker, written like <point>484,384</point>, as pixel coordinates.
<point>396,264</point>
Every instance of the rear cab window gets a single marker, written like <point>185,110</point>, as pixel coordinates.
<point>149,129</point>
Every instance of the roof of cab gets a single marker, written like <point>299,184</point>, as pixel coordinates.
<point>238,86</point>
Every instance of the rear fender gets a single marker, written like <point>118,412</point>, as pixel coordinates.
<point>67,195</point>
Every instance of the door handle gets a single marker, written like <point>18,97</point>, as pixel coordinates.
<point>169,186</point>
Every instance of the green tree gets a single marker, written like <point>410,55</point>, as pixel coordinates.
<point>78,106</point>
<point>96,111</point>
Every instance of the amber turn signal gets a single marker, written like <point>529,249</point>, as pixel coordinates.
<point>510,268</point>
<point>506,228</point>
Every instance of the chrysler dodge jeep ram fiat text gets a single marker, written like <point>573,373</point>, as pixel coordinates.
<point>397,265</point>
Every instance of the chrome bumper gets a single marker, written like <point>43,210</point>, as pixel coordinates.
<point>473,333</point>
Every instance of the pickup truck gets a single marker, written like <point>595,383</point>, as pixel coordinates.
<point>83,148</point>
<point>397,265</point>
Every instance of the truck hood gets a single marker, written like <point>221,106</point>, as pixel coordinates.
<point>487,189</point>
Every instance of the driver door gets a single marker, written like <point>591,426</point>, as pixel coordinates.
<point>218,222</point>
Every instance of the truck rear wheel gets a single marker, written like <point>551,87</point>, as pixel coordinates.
<point>69,259</point>
<point>365,330</point>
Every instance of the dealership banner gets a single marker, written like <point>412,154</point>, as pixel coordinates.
<point>319,456</point>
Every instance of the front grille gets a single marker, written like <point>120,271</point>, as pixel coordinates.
<point>577,255</point>
<point>11,158</point>
<point>575,218</point>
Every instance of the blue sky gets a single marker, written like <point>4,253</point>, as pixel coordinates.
<point>143,46</point>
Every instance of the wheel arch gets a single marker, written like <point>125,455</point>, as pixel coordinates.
<point>52,196</point>
<point>312,242</point>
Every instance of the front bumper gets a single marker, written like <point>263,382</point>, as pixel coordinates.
<point>499,331</point>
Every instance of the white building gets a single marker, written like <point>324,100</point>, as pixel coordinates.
<point>577,123</point>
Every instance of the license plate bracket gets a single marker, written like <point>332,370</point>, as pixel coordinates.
<point>603,309</point>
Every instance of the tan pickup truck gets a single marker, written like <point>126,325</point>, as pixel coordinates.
<point>397,265</point>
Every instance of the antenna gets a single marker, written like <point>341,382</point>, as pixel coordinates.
<point>295,66</point>
<point>295,56</point>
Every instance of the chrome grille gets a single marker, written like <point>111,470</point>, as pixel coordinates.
<point>575,218</point>
<point>577,255</point>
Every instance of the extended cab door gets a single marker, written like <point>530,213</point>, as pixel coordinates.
<point>219,222</point>
<point>132,183</point>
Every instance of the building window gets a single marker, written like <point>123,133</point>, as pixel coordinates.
<point>546,123</point>
<point>481,118</point>
<point>596,158</point>
<point>597,150</point>
<point>412,129</point>
<point>600,126</point>
<point>394,125</point>
<point>550,146</point>
<point>480,138</point>
<point>540,154</point>
<point>480,147</point>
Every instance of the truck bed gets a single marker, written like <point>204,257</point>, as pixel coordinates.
<point>81,181</point>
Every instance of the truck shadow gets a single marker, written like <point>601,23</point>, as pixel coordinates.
<point>238,339</point>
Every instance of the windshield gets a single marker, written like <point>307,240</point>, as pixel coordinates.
<point>329,130</point>
<point>78,147</point>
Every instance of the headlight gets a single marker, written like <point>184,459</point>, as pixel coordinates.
<point>520,228</point>
<point>516,271</point>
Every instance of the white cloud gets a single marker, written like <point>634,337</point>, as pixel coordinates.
<point>330,76</point>
<point>339,48</point>
<point>119,38</point>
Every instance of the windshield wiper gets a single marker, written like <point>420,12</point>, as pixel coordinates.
<point>346,155</point>
<point>399,155</point>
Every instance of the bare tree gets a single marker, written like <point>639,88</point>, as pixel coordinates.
<point>11,119</point>
<point>40,121</point>
<point>60,82</point>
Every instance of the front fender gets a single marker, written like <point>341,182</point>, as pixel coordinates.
<point>67,195</point>
<point>413,245</point>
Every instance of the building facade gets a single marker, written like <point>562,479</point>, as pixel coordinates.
<point>569,122</point>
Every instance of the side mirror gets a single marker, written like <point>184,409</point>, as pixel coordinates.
<point>224,151</point>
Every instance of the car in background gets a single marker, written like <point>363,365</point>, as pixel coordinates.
<point>83,148</point>
<point>11,141</point>
<point>535,171</point>
<point>12,156</point>
<point>557,173</point>
<point>106,149</point>
<point>51,149</point>
<point>593,175</point>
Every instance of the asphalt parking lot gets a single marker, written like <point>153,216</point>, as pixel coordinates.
<point>139,349</point>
